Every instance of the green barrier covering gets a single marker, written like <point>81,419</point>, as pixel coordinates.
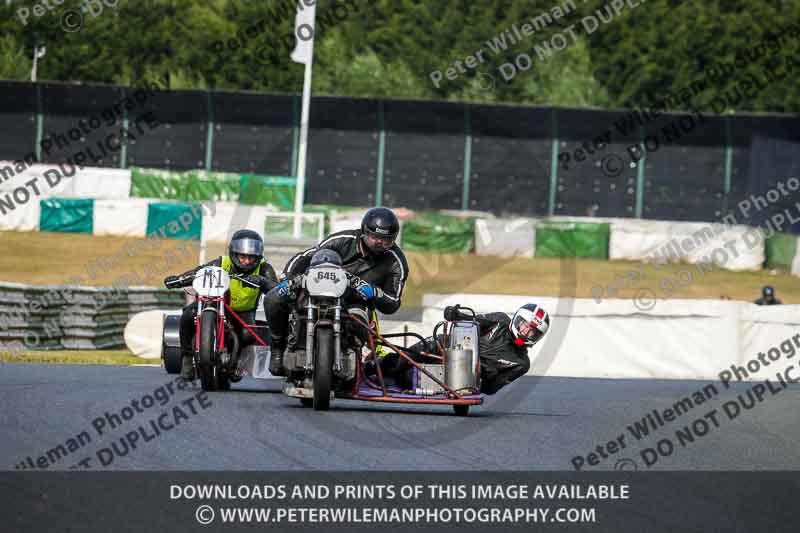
<point>780,250</point>
<point>174,221</point>
<point>434,232</point>
<point>66,215</point>
<point>284,227</point>
<point>268,190</point>
<point>572,239</point>
<point>190,186</point>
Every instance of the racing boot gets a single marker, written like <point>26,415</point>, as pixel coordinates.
<point>276,356</point>
<point>187,367</point>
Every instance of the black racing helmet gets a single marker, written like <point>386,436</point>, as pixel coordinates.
<point>768,293</point>
<point>248,243</point>
<point>325,256</point>
<point>379,229</point>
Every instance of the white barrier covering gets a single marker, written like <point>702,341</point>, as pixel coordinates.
<point>22,218</point>
<point>341,221</point>
<point>224,218</point>
<point>71,181</point>
<point>143,333</point>
<point>505,237</point>
<point>677,339</point>
<point>121,217</point>
<point>732,248</point>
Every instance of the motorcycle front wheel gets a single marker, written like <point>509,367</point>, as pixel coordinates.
<point>207,368</point>
<point>323,368</point>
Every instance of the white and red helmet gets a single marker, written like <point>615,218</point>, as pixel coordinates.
<point>529,324</point>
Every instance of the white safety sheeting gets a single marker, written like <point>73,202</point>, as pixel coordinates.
<point>344,220</point>
<point>676,339</point>
<point>23,217</point>
<point>121,217</point>
<point>729,247</point>
<point>68,181</point>
<point>505,237</point>
<point>222,219</point>
<point>144,331</point>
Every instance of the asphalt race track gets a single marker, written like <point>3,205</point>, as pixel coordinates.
<point>532,424</point>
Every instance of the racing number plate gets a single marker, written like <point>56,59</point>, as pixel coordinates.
<point>326,281</point>
<point>211,282</point>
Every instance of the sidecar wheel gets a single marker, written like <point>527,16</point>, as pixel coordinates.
<point>461,410</point>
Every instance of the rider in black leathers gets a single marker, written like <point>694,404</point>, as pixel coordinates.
<point>377,267</point>
<point>503,347</point>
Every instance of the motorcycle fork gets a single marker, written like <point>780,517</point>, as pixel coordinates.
<point>310,307</point>
<point>337,329</point>
<point>221,326</point>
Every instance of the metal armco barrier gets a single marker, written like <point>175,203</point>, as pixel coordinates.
<point>54,317</point>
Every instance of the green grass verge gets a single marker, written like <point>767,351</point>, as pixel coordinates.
<point>78,357</point>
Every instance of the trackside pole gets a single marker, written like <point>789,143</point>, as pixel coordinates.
<point>303,53</point>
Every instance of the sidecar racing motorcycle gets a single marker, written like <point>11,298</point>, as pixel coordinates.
<point>218,349</point>
<point>329,348</point>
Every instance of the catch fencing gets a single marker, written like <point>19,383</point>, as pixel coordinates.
<point>507,160</point>
<point>53,317</point>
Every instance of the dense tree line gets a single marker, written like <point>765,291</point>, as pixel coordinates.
<point>572,53</point>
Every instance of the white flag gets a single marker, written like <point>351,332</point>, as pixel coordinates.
<point>304,30</point>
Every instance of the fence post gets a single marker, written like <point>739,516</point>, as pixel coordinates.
<point>209,128</point>
<point>728,163</point>
<point>640,175</point>
<point>39,122</point>
<point>467,157</point>
<point>295,135</point>
<point>551,200</point>
<point>381,154</point>
<point>123,153</point>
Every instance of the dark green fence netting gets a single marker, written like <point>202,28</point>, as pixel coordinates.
<point>572,239</point>
<point>174,221</point>
<point>435,232</point>
<point>66,215</point>
<point>780,250</point>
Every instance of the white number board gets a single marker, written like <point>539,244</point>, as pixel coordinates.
<point>211,282</point>
<point>326,281</point>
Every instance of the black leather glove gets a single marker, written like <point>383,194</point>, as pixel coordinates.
<point>261,281</point>
<point>171,282</point>
<point>451,313</point>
